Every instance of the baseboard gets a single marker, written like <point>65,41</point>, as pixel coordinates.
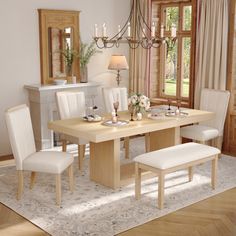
<point>7,161</point>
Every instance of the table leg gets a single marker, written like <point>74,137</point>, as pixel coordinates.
<point>105,163</point>
<point>164,138</point>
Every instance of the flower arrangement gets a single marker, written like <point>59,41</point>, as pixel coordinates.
<point>138,103</point>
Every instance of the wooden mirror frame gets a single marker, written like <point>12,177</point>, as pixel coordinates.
<point>57,19</point>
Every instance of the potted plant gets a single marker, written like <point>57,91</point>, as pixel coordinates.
<point>85,54</point>
<point>69,55</point>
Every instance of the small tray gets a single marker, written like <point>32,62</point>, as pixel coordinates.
<point>117,124</point>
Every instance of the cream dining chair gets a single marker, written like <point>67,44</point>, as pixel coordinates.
<point>215,101</point>
<point>111,95</point>
<point>72,105</point>
<point>27,159</point>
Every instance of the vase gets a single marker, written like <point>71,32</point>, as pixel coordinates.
<point>68,71</point>
<point>84,74</point>
<point>139,116</point>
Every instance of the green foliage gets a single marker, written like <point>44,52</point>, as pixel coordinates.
<point>69,55</point>
<point>86,52</point>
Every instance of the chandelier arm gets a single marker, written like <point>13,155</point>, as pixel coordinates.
<point>124,28</point>
<point>140,13</point>
<point>133,47</point>
<point>146,45</point>
<point>97,44</point>
<point>141,26</point>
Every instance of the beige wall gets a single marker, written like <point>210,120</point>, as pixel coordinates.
<point>19,46</point>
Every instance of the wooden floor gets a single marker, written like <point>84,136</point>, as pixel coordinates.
<point>215,216</point>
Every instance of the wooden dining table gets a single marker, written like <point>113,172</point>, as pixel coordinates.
<point>104,140</point>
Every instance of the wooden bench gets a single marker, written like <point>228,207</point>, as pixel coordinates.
<point>172,159</point>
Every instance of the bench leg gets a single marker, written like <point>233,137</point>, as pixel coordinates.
<point>161,185</point>
<point>190,173</point>
<point>214,172</point>
<point>137,181</point>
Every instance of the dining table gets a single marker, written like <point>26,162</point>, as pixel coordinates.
<point>104,138</point>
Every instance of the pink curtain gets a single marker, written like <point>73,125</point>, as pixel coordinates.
<point>211,46</point>
<point>139,73</point>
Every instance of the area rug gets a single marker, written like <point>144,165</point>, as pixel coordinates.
<point>96,210</point>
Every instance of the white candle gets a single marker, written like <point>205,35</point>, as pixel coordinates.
<point>153,29</point>
<point>173,31</point>
<point>162,30</point>
<point>104,30</point>
<point>95,30</point>
<point>143,33</point>
<point>129,30</point>
<point>119,31</point>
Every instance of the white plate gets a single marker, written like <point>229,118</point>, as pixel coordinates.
<point>117,124</point>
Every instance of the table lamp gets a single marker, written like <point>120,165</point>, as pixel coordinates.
<point>118,62</point>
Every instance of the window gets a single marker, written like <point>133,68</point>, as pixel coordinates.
<point>172,63</point>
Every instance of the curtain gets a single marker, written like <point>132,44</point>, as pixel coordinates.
<point>211,46</point>
<point>139,72</point>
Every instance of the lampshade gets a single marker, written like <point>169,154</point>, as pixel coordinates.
<point>118,62</point>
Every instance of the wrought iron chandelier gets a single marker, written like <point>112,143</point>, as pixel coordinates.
<point>142,34</point>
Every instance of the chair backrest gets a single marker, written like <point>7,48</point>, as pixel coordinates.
<point>111,95</point>
<point>20,132</point>
<point>70,104</point>
<point>216,101</point>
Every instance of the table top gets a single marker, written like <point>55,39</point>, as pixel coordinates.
<point>96,132</point>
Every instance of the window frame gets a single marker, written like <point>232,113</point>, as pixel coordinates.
<point>181,34</point>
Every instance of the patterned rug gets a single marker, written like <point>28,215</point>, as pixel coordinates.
<point>96,210</point>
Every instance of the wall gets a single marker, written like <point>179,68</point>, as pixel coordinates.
<point>19,46</point>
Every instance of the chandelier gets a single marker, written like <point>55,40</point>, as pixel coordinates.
<point>142,34</point>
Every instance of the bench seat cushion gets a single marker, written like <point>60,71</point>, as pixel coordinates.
<point>177,155</point>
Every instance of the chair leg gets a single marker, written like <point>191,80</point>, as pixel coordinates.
<point>217,142</point>
<point>214,172</point>
<point>32,179</point>
<point>81,153</point>
<point>147,142</point>
<point>190,173</point>
<point>71,178</point>
<point>64,145</point>
<point>137,181</point>
<point>58,189</point>
<point>20,174</point>
<point>161,185</point>
<point>126,144</point>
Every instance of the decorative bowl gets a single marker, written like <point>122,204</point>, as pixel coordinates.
<point>60,81</point>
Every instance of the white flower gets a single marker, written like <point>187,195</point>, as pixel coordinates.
<point>139,102</point>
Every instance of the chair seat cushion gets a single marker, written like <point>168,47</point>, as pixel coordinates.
<point>199,132</point>
<point>48,161</point>
<point>177,155</point>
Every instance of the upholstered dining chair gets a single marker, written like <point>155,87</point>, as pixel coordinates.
<point>72,105</point>
<point>111,95</point>
<point>215,101</point>
<point>27,159</point>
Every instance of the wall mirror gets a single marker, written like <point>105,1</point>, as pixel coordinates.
<point>59,42</point>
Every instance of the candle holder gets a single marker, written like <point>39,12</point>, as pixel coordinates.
<point>131,110</point>
<point>116,106</point>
